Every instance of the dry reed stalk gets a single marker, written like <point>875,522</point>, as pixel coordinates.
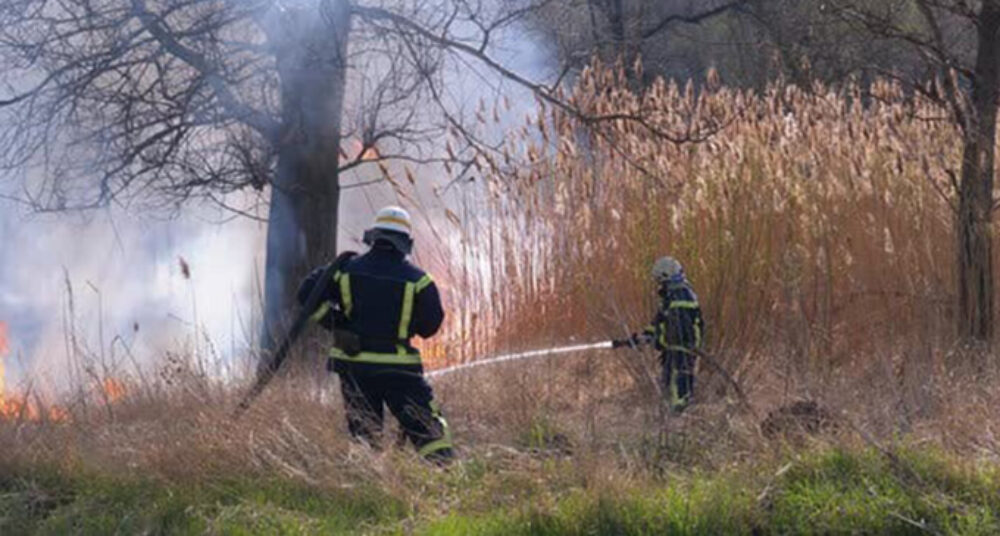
<point>815,225</point>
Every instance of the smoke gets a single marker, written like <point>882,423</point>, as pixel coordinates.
<point>109,286</point>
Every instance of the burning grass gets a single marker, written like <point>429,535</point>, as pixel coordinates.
<point>816,227</point>
<point>563,447</point>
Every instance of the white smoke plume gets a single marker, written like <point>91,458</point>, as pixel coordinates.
<point>113,281</point>
<point>110,283</point>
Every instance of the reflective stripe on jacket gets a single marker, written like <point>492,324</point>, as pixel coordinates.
<point>385,301</point>
<point>677,325</point>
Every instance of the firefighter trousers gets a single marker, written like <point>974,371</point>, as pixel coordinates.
<point>409,398</point>
<point>677,378</point>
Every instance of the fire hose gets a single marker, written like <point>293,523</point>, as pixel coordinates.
<point>270,367</point>
<point>533,354</point>
<point>548,352</point>
<point>266,374</point>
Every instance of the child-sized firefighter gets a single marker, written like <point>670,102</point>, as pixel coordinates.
<point>677,331</point>
<point>376,303</point>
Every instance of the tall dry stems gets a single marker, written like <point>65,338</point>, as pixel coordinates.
<point>815,225</point>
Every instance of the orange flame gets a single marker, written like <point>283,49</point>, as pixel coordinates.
<point>114,390</point>
<point>3,352</point>
<point>359,152</point>
<point>58,414</point>
<point>11,409</point>
<point>4,349</point>
<point>20,407</point>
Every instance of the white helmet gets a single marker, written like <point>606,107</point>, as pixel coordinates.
<point>395,219</point>
<point>392,225</point>
<point>667,268</point>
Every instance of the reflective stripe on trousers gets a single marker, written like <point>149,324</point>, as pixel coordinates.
<point>376,358</point>
<point>445,442</point>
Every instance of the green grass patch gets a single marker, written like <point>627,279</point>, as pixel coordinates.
<point>701,507</point>
<point>49,503</point>
<point>818,492</point>
<point>828,492</point>
<point>908,492</point>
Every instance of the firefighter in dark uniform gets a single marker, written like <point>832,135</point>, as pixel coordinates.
<point>377,302</point>
<point>677,331</point>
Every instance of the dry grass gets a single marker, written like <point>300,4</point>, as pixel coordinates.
<point>568,438</point>
<point>815,225</point>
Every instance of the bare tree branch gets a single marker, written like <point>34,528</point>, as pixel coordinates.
<point>240,111</point>
<point>546,93</point>
<point>696,18</point>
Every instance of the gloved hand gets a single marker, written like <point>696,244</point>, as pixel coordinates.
<point>347,341</point>
<point>622,343</point>
<point>635,341</point>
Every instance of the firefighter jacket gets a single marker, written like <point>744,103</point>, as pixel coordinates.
<point>677,325</point>
<point>381,299</point>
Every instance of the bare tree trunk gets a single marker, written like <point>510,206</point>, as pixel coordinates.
<point>615,10</point>
<point>625,47</point>
<point>305,195</point>
<point>975,233</point>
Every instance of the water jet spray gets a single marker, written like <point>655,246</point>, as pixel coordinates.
<point>533,354</point>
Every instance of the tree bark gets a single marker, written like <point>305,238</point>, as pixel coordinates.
<point>624,47</point>
<point>615,11</point>
<point>305,193</point>
<point>974,226</point>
